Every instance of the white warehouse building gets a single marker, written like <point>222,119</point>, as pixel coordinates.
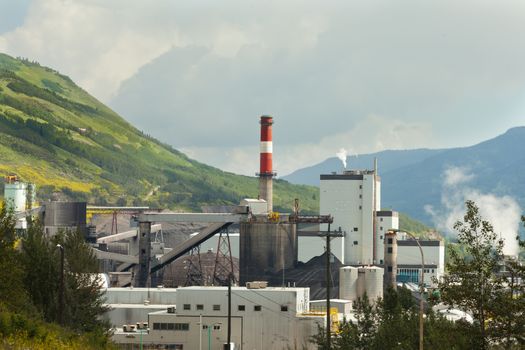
<point>262,318</point>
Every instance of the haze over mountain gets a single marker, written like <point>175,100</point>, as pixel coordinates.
<point>431,185</point>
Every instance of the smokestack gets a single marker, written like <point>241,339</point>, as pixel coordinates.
<point>266,167</point>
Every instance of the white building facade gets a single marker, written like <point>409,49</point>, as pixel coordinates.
<point>266,318</point>
<point>353,198</point>
<point>409,260</point>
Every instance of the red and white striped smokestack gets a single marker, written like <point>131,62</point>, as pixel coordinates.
<point>266,172</point>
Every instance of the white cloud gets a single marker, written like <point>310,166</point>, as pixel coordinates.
<point>503,212</point>
<point>99,44</point>
<point>455,176</point>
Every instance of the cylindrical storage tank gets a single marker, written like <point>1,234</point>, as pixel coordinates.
<point>15,194</point>
<point>373,282</point>
<point>266,248</point>
<point>390,273</point>
<point>348,283</point>
<point>65,214</point>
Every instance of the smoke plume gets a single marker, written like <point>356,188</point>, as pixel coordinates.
<point>503,212</point>
<point>341,154</point>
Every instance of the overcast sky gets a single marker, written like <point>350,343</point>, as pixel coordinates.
<point>362,75</point>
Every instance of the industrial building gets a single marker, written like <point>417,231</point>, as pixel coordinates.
<point>409,260</point>
<point>261,318</point>
<point>354,199</point>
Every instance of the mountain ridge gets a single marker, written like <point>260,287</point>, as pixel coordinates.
<point>495,166</point>
<point>55,134</point>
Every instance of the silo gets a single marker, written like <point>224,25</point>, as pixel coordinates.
<point>15,194</point>
<point>372,277</point>
<point>348,282</point>
<point>390,272</point>
<point>64,215</point>
<point>266,247</point>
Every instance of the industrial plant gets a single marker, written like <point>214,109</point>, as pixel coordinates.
<point>247,276</point>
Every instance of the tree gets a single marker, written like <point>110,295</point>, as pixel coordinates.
<point>509,316</point>
<point>471,282</point>
<point>12,292</point>
<point>83,296</point>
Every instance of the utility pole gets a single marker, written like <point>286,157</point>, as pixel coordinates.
<point>328,282</point>
<point>328,236</point>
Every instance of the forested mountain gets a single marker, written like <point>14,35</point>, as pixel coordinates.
<point>55,134</point>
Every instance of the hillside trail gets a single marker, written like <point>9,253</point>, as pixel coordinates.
<point>150,193</point>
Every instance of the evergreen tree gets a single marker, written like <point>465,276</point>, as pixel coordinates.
<point>471,282</point>
<point>12,293</point>
<point>83,296</point>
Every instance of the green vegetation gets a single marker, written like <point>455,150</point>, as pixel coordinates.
<point>473,283</point>
<point>392,323</point>
<point>55,134</point>
<point>29,291</point>
<point>419,229</point>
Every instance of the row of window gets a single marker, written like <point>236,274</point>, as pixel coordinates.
<point>162,326</point>
<point>217,307</point>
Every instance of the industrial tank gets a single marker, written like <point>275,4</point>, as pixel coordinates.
<point>348,282</point>
<point>15,194</point>
<point>266,247</point>
<point>354,282</point>
<point>371,278</point>
<point>65,214</point>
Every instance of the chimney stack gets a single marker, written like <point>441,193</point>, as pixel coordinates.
<point>266,168</point>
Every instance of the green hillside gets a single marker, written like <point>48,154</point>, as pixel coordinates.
<point>55,134</point>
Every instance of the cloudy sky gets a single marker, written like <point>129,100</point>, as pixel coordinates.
<point>363,75</point>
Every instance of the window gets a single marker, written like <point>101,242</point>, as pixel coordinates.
<point>390,241</point>
<point>360,196</point>
<point>200,307</point>
<point>171,326</point>
<point>381,228</point>
<point>356,242</point>
<point>284,308</point>
<point>360,207</point>
<point>381,262</point>
<point>163,326</point>
<point>204,326</point>
<point>216,307</point>
<point>380,237</point>
<point>390,269</point>
<point>216,327</point>
<point>389,250</point>
<point>355,229</point>
<point>187,307</point>
<point>156,326</point>
<point>182,326</point>
<point>241,307</point>
<point>381,219</point>
<point>360,187</point>
<point>257,308</point>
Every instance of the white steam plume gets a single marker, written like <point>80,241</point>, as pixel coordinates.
<point>503,212</point>
<point>341,154</point>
